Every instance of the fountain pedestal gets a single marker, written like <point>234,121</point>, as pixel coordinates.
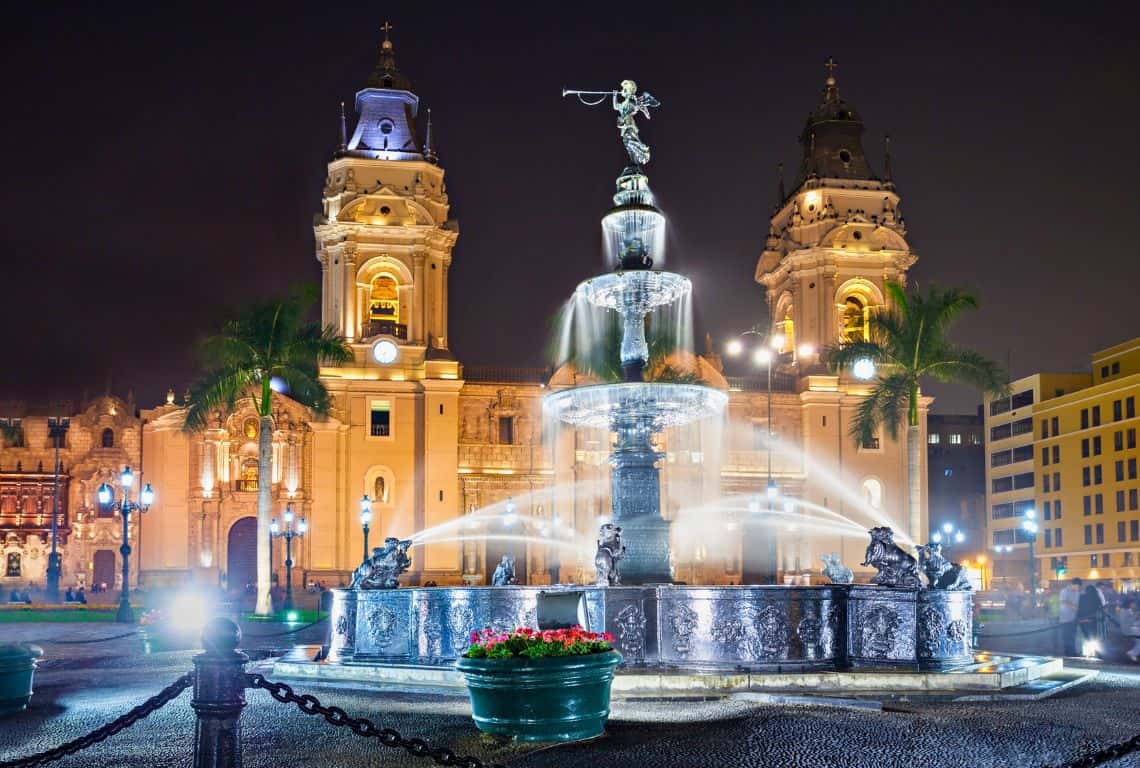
<point>636,494</point>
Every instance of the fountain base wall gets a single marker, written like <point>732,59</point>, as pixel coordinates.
<point>755,628</point>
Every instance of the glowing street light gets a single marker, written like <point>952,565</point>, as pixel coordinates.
<point>864,369</point>
<point>1029,525</point>
<point>106,498</point>
<point>762,356</point>
<point>734,347</point>
<point>365,520</point>
<point>290,531</point>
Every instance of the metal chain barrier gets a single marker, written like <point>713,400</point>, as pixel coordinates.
<point>389,737</point>
<point>160,699</point>
<point>134,631</point>
<point>248,636</point>
<point>1102,756</point>
<point>1039,630</point>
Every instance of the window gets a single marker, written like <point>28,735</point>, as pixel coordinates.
<point>380,423</point>
<point>1096,415</point>
<point>1024,480</point>
<point>955,438</point>
<point>11,433</point>
<point>1084,418</point>
<point>1127,559</point>
<point>1117,410</point>
<point>1096,446</point>
<point>1085,448</point>
<point>1119,471</point>
<point>1045,483</point>
<point>384,299</point>
<point>1100,533</point>
<point>1131,438</point>
<point>1057,537</point>
<point>1001,432</point>
<point>1087,501</point>
<point>1132,468</point>
<point>1023,426</point>
<point>1054,423</point>
<point>1130,407</point>
<point>1048,537</point>
<point>1023,453</point>
<point>934,438</point>
<point>1044,428</point>
<point>108,438</point>
<point>1056,454</point>
<point>1048,510</point>
<point>1116,368</point>
<point>1132,499</point>
<point>1118,440</point>
<point>1057,509</point>
<point>1057,482</point>
<point>1098,475</point>
<point>1106,559</point>
<point>506,430</point>
<point>1001,458</point>
<point>247,480</point>
<point>1011,536</point>
<point>871,444</point>
<point>1002,511</point>
<point>1001,484</point>
<point>999,406</point>
<point>1121,531</point>
<point>1120,501</point>
<point>1088,534</point>
<point>855,315</point>
<point>975,438</point>
<point>1085,480</point>
<point>1021,507</point>
<point>1099,504</point>
<point>1103,371</point>
<point>1045,456</point>
<point>1094,560</point>
<point>1134,530</point>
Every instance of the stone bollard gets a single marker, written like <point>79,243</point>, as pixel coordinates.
<point>219,696</point>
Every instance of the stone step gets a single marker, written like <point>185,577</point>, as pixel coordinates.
<point>1039,688</point>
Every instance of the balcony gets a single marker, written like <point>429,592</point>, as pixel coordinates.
<point>386,328</point>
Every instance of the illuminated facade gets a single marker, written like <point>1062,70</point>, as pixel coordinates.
<point>1073,462</point>
<point>430,440</point>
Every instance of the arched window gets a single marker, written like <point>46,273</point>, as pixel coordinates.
<point>248,479</point>
<point>873,493</point>
<point>786,328</point>
<point>855,313</point>
<point>384,299</point>
<point>108,438</point>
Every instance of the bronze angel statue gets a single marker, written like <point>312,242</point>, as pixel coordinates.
<point>628,103</point>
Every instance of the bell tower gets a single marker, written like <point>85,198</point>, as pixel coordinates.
<point>383,237</point>
<point>836,239</point>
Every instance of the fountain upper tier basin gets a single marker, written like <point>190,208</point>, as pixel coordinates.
<point>658,405</point>
<point>637,291</point>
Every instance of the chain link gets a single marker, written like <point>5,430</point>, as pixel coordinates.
<point>160,699</point>
<point>389,737</point>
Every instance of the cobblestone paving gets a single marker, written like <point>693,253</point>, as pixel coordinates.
<point>82,686</point>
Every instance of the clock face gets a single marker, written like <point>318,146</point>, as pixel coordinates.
<point>385,351</point>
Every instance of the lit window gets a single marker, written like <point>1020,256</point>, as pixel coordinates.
<point>380,421</point>
<point>934,438</point>
<point>855,315</point>
<point>248,479</point>
<point>955,439</point>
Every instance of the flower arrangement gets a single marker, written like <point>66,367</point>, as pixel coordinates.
<point>153,616</point>
<point>537,644</point>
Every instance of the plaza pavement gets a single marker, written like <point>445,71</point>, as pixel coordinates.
<point>83,686</point>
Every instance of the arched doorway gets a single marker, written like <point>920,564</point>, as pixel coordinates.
<point>103,568</point>
<point>241,554</point>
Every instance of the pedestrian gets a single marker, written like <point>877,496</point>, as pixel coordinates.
<point>1090,616</point>
<point>81,596</point>
<point>1129,620</point>
<point>1067,614</point>
<point>69,596</point>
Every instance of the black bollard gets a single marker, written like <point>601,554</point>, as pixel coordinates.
<point>219,696</point>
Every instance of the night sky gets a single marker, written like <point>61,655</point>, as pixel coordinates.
<point>162,164</point>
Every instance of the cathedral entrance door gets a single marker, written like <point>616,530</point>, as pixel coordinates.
<point>103,568</point>
<point>241,554</point>
<point>496,548</point>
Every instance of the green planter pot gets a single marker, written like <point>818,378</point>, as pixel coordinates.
<point>157,639</point>
<point>17,666</point>
<point>562,698</point>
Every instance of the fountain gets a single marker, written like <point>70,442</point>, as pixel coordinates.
<point>660,625</point>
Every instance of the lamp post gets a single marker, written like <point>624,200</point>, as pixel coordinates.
<point>124,506</point>
<point>1029,525</point>
<point>290,531</point>
<point>365,520</point>
<point>948,536</point>
<point>57,430</point>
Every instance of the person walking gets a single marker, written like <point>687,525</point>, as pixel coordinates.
<point>1067,615</point>
<point>1090,616</point>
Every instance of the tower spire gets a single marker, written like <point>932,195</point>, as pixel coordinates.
<point>831,89</point>
<point>429,151</point>
<point>887,177</point>
<point>343,130</point>
<point>386,75</point>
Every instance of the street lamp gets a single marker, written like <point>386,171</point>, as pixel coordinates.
<point>124,506</point>
<point>365,520</point>
<point>57,430</point>
<point>1029,525</point>
<point>290,531</point>
<point>948,536</point>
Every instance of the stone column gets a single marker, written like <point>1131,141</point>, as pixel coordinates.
<point>636,494</point>
<point>419,310</point>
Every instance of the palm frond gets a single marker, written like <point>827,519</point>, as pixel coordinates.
<point>216,389</point>
<point>843,356</point>
<point>966,366</point>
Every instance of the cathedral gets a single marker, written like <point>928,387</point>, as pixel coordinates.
<point>462,457</point>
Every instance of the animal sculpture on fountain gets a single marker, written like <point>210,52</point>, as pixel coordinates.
<point>383,569</point>
<point>940,572</point>
<point>610,551</point>
<point>895,567</point>
<point>504,574</point>
<point>836,571</point>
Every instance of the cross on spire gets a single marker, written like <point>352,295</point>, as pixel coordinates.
<point>386,29</point>
<point>831,67</point>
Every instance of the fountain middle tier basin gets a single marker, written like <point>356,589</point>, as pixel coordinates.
<point>657,405</point>
<point>635,291</point>
<point>762,628</point>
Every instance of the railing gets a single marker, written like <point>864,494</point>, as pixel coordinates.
<point>781,382</point>
<point>386,328</point>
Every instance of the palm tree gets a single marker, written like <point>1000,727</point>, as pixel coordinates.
<point>272,341</point>
<point>909,341</point>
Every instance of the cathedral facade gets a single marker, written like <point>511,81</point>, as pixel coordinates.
<point>462,459</point>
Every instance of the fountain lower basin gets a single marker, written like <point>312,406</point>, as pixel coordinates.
<point>693,628</point>
<point>659,404</point>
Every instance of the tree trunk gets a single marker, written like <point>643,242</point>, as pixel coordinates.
<point>264,485</point>
<point>914,481</point>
